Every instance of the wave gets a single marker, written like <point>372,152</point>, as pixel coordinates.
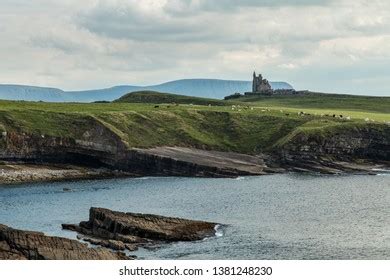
<point>381,171</point>
<point>218,230</point>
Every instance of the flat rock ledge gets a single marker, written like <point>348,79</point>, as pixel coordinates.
<point>29,245</point>
<point>128,231</point>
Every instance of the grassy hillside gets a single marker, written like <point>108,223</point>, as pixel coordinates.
<point>259,125</point>
<point>356,107</point>
<point>159,98</point>
<point>313,100</point>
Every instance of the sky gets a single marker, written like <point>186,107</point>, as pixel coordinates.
<point>331,46</point>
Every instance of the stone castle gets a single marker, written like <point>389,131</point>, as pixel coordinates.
<point>263,87</point>
<point>260,85</point>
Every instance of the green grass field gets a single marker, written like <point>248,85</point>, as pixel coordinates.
<point>250,125</point>
<point>166,98</point>
<point>361,107</point>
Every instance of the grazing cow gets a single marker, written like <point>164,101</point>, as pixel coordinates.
<point>334,115</point>
<point>341,116</point>
<point>156,106</point>
<point>287,114</point>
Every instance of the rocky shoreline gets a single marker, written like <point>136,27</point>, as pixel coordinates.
<point>112,234</point>
<point>186,162</point>
<point>17,173</point>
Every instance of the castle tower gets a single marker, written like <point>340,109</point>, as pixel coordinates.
<point>259,84</point>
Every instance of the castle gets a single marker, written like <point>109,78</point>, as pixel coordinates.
<point>260,85</point>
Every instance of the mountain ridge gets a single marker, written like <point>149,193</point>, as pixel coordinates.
<point>209,88</point>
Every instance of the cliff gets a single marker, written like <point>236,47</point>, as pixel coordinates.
<point>186,141</point>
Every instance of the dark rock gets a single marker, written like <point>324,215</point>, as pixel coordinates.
<point>119,231</point>
<point>28,245</point>
<point>180,161</point>
<point>116,245</point>
<point>353,150</point>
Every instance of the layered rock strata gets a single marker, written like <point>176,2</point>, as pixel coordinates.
<point>29,245</point>
<point>120,231</point>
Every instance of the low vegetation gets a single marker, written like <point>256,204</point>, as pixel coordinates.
<point>250,126</point>
<point>159,98</point>
<point>322,101</point>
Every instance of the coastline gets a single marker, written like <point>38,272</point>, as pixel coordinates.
<point>13,173</point>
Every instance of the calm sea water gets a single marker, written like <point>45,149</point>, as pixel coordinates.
<point>267,217</point>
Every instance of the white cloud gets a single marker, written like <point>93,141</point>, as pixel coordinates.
<point>94,43</point>
<point>288,66</point>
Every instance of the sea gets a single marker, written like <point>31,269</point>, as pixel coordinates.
<point>284,216</point>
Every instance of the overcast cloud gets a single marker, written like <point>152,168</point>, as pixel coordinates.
<point>334,46</point>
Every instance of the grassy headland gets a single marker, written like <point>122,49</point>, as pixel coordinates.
<point>247,125</point>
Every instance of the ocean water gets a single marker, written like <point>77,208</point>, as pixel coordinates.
<point>286,216</point>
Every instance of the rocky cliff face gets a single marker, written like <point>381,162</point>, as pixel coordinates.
<point>27,245</point>
<point>98,146</point>
<point>365,142</point>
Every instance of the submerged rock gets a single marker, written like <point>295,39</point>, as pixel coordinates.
<point>119,231</point>
<point>29,245</point>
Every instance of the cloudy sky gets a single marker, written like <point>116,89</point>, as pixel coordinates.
<point>325,45</point>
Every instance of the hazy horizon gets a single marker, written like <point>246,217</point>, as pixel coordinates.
<point>321,45</point>
<point>156,84</point>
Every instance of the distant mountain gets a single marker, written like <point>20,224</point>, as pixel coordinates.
<point>209,88</point>
<point>30,93</point>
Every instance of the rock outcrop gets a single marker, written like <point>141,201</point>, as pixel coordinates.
<point>119,231</point>
<point>366,142</point>
<point>29,245</point>
<point>356,149</point>
<point>180,161</point>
